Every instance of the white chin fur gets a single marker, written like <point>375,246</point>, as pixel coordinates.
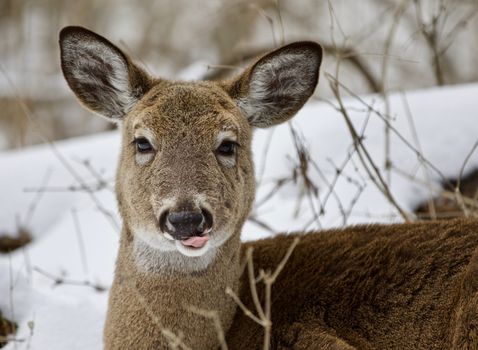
<point>190,251</point>
<point>168,236</point>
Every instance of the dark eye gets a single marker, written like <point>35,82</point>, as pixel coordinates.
<point>227,148</point>
<point>143,145</point>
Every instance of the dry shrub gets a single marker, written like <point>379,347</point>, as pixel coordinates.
<point>447,204</point>
<point>9,243</point>
<point>6,328</point>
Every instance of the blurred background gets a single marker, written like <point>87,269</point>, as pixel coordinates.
<point>382,45</point>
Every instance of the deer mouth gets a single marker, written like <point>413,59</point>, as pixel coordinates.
<point>193,246</point>
<point>190,243</point>
<point>189,230</point>
<point>196,241</point>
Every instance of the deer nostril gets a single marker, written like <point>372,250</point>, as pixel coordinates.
<point>206,224</point>
<point>163,221</point>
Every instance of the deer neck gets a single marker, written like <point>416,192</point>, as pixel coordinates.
<point>168,287</point>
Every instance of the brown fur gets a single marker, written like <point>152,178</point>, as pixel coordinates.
<point>404,286</point>
<point>183,168</point>
<point>143,305</point>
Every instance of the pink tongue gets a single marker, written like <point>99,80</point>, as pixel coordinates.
<point>196,242</point>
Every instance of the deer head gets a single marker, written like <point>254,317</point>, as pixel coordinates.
<point>185,181</point>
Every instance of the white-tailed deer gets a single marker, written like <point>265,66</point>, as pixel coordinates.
<point>185,185</point>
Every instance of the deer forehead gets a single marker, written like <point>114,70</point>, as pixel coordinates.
<point>191,111</point>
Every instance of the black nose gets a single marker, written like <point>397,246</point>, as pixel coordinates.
<point>185,224</point>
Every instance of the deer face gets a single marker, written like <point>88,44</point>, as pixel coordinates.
<point>185,182</point>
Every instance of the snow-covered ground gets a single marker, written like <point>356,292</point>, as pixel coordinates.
<point>75,232</point>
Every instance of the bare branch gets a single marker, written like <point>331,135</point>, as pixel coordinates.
<point>214,317</point>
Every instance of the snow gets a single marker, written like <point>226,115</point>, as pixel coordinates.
<point>68,316</point>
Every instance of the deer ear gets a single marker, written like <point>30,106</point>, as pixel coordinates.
<point>274,88</point>
<point>102,77</point>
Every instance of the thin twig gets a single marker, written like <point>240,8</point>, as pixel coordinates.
<point>214,317</point>
<point>34,203</point>
<point>59,280</point>
<point>241,305</point>
<point>81,243</point>
<point>364,156</point>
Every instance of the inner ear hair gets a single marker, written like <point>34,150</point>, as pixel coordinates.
<point>276,86</point>
<point>102,77</point>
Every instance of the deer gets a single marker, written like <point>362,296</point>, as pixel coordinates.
<point>185,186</point>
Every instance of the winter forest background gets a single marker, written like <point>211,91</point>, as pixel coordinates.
<point>390,135</point>
<point>386,45</point>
